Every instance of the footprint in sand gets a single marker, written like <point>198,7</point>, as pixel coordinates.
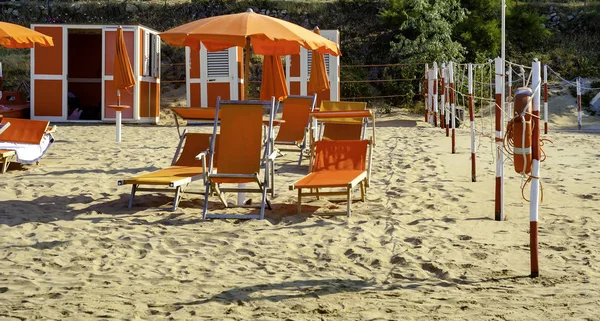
<point>479,255</point>
<point>245,252</point>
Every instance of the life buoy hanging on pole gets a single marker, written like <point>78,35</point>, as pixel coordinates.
<point>519,131</point>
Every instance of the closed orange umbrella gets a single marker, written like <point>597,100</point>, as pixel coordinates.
<point>15,36</point>
<point>273,79</point>
<point>268,35</point>
<point>318,80</point>
<point>122,72</point>
<point>123,76</point>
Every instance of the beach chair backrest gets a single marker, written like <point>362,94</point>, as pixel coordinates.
<point>195,143</point>
<point>341,155</point>
<point>240,136</point>
<point>327,105</point>
<point>24,131</point>
<point>295,114</point>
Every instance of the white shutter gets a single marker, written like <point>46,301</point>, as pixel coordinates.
<point>146,70</point>
<point>155,56</point>
<point>218,63</point>
<point>326,58</point>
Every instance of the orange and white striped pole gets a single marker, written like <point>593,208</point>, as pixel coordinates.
<point>443,96</point>
<point>472,119</point>
<point>426,92</point>
<point>579,102</point>
<point>535,171</point>
<point>447,94</point>
<point>499,199</point>
<point>545,99</point>
<point>452,106</point>
<point>435,93</point>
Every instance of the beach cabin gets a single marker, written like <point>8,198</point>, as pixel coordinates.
<point>297,71</point>
<point>213,74</point>
<point>72,81</point>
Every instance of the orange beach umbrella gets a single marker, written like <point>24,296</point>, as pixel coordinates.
<point>268,36</point>
<point>318,80</point>
<point>123,76</point>
<point>273,79</point>
<point>15,36</point>
<point>122,72</point>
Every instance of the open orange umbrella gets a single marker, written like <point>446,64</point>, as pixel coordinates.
<point>273,79</point>
<point>15,36</point>
<point>123,77</point>
<point>268,36</point>
<point>318,80</point>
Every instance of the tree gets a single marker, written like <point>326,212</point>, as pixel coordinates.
<point>425,29</point>
<point>480,32</point>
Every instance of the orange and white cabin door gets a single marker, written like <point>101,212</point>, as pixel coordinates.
<point>129,97</point>
<point>298,70</point>
<point>212,74</point>
<point>49,76</point>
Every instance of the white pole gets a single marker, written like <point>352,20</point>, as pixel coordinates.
<point>509,112</point>
<point>472,119</point>
<point>502,53</point>
<point>535,171</point>
<point>118,116</point>
<point>435,93</point>
<point>499,203</point>
<point>579,102</point>
<point>452,105</point>
<point>242,195</point>
<point>545,99</point>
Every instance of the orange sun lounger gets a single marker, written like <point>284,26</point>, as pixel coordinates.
<point>23,140</point>
<point>338,164</point>
<point>186,168</point>
<point>342,128</point>
<point>242,154</point>
<point>293,131</point>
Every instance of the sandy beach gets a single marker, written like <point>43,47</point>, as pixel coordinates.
<point>424,246</point>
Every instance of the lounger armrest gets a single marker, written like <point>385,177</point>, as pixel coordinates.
<point>202,156</point>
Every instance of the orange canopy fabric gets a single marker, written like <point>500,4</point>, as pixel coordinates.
<point>123,73</point>
<point>268,35</point>
<point>273,79</point>
<point>15,36</point>
<point>318,80</point>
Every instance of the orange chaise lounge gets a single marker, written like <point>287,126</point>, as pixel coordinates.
<point>294,128</point>
<point>189,164</point>
<point>242,154</point>
<point>337,164</point>
<point>23,140</point>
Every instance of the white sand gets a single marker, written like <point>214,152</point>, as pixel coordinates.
<point>423,246</point>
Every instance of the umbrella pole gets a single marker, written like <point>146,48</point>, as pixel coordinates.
<point>118,116</point>
<point>247,69</point>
